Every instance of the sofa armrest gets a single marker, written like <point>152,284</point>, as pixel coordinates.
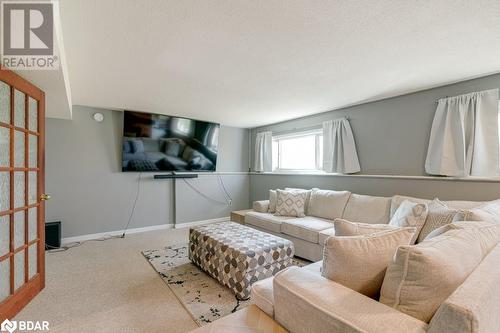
<point>307,302</point>
<point>261,206</point>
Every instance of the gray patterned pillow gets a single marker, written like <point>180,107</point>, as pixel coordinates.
<point>291,203</point>
<point>439,215</point>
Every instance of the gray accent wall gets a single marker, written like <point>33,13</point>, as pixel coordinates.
<point>392,136</point>
<point>91,195</point>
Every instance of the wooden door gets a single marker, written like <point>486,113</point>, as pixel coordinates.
<point>22,231</point>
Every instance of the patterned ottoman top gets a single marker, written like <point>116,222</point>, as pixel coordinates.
<point>249,243</point>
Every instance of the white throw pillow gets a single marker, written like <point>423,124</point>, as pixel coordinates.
<point>410,214</point>
<point>290,203</point>
<point>489,211</point>
<point>360,262</point>
<point>439,214</point>
<point>398,200</point>
<point>348,228</point>
<point>273,196</point>
<point>328,204</point>
<point>421,277</point>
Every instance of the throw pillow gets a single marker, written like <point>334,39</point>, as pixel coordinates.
<point>398,200</point>
<point>136,146</point>
<point>308,199</point>
<point>173,149</point>
<point>290,203</point>
<point>360,262</point>
<point>489,211</point>
<point>328,204</point>
<point>410,214</point>
<point>273,196</point>
<point>348,228</point>
<point>439,214</point>
<point>421,277</point>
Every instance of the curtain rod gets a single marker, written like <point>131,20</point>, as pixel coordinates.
<point>304,129</point>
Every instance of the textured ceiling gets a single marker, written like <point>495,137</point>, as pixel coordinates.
<point>248,63</point>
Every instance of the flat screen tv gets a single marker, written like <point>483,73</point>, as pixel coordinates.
<point>153,142</point>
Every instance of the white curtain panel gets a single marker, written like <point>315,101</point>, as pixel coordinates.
<point>264,152</point>
<point>464,136</point>
<point>339,147</point>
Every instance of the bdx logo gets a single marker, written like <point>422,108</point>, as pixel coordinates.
<point>28,35</point>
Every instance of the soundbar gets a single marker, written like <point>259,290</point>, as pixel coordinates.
<point>173,176</point>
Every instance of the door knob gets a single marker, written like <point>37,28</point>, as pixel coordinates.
<point>45,197</point>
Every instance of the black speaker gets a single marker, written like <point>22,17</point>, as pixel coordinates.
<point>52,235</point>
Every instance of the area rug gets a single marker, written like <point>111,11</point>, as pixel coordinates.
<point>202,296</point>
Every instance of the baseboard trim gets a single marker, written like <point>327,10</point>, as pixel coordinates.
<point>82,238</point>
<point>197,223</point>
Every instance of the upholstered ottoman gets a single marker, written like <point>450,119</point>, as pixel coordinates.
<point>237,255</point>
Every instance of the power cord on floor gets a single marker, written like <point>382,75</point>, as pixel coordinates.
<point>52,249</point>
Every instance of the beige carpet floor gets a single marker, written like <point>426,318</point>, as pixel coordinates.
<point>109,287</point>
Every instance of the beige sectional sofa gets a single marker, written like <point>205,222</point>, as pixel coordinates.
<point>310,232</point>
<point>302,300</point>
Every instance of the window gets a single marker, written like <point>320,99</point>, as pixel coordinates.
<point>298,151</point>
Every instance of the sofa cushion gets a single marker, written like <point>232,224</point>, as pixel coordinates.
<point>410,214</point>
<point>273,196</point>
<point>324,234</point>
<point>306,228</point>
<point>439,214</point>
<point>475,305</point>
<point>367,209</point>
<point>291,203</point>
<point>348,228</point>
<point>360,262</point>
<point>421,277</point>
<point>262,295</point>
<point>265,221</point>
<point>398,200</point>
<point>328,204</point>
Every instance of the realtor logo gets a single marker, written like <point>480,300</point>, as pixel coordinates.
<point>8,326</point>
<point>28,35</point>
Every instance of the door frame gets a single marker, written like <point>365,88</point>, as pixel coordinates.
<point>22,296</point>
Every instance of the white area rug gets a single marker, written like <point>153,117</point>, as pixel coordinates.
<point>202,296</point>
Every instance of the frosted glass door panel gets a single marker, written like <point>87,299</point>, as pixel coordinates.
<point>4,235</point>
<point>33,151</point>
<point>19,182</point>
<point>33,261</point>
<point>32,224</point>
<point>32,188</point>
<point>19,269</point>
<point>4,279</point>
<point>4,103</point>
<point>19,149</point>
<point>33,115</point>
<point>19,116</point>
<point>19,229</point>
<point>4,147</point>
<point>4,191</point>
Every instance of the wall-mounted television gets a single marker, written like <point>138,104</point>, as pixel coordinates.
<point>154,142</point>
